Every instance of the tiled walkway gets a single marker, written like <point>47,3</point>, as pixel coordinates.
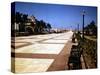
<point>40,53</point>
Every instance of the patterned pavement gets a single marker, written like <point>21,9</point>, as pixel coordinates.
<point>40,53</point>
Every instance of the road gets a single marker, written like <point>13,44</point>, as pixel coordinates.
<point>40,53</point>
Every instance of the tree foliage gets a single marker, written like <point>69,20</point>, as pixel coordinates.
<point>91,29</point>
<point>21,19</point>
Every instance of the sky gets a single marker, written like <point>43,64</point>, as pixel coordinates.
<point>59,16</point>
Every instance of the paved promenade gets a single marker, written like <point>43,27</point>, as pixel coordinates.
<point>41,53</point>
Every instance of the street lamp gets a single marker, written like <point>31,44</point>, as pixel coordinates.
<point>78,27</point>
<point>83,14</point>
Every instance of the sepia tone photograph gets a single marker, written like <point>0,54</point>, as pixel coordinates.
<point>53,37</point>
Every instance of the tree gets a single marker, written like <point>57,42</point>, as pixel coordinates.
<point>25,18</point>
<point>42,26</point>
<point>49,27</point>
<point>18,18</point>
<point>21,19</point>
<point>91,28</point>
<point>37,27</point>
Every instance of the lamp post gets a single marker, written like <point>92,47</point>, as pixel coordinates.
<point>83,14</point>
<point>77,27</point>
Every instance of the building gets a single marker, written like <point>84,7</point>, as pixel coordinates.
<point>25,28</point>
